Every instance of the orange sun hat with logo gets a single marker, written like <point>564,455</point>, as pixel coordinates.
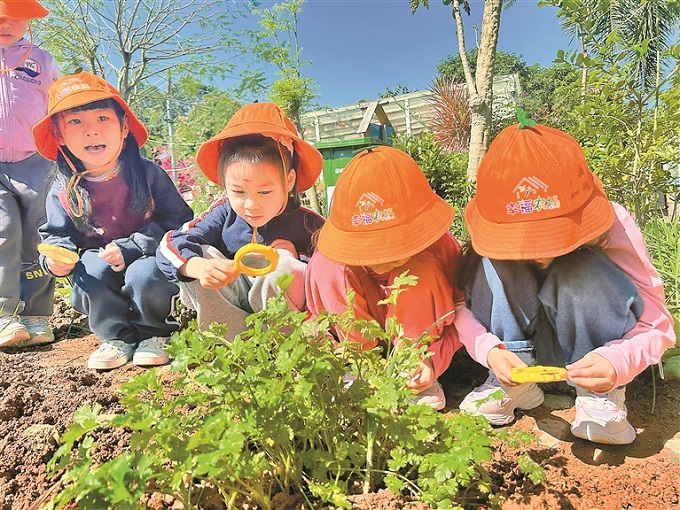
<point>383,210</point>
<point>75,90</point>
<point>265,119</point>
<point>22,9</point>
<point>536,197</point>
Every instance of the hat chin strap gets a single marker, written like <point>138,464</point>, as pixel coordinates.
<point>75,178</point>
<point>24,57</point>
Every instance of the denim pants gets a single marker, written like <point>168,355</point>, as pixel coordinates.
<point>555,316</point>
<point>132,305</point>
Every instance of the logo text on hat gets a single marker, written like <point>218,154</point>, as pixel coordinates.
<point>68,89</point>
<point>532,196</point>
<point>371,210</point>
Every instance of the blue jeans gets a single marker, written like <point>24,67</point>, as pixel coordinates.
<point>556,316</point>
<point>132,305</point>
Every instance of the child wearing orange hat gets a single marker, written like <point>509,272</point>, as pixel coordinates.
<point>563,277</point>
<point>26,73</point>
<point>113,207</point>
<point>262,163</point>
<point>385,220</point>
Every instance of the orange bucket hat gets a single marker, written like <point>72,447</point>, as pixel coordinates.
<point>383,210</point>
<point>536,197</point>
<point>76,90</point>
<point>22,9</point>
<point>265,119</point>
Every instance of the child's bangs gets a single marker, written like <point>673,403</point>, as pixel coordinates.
<point>245,172</point>
<point>99,105</point>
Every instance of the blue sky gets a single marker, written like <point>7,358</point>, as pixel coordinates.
<point>358,48</point>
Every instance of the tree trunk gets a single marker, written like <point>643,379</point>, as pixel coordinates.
<point>481,90</point>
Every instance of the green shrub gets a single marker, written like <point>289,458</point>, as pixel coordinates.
<point>663,242</point>
<point>446,172</point>
<point>273,412</point>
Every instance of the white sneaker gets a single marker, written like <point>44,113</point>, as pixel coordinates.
<point>432,396</point>
<point>602,418</point>
<point>151,352</point>
<point>111,354</point>
<point>497,403</point>
<point>12,331</point>
<point>39,329</point>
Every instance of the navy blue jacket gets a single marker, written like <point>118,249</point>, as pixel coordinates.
<point>170,211</point>
<point>222,228</point>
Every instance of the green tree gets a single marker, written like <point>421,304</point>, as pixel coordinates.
<point>278,43</point>
<point>137,41</point>
<point>505,63</point>
<point>619,124</point>
<point>205,119</point>
<point>396,91</point>
<point>637,32</point>
<point>479,86</point>
<point>550,94</point>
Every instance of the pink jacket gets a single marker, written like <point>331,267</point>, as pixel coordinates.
<point>643,345</point>
<point>23,97</point>
<point>327,283</point>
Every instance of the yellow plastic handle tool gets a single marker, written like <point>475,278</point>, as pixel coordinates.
<point>58,253</point>
<point>538,374</point>
<point>256,259</point>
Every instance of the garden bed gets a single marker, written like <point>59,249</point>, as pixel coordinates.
<point>42,387</point>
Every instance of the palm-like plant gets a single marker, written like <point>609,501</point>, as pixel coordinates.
<point>450,117</point>
<point>642,30</point>
<point>646,30</point>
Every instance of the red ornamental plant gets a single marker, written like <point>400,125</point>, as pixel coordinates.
<point>450,117</point>
<point>185,169</point>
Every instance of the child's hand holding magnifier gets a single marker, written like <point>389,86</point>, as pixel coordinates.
<point>252,259</point>
<point>212,273</point>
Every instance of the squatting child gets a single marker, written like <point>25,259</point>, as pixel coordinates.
<point>562,276</point>
<point>262,164</point>
<point>385,220</point>
<point>113,207</point>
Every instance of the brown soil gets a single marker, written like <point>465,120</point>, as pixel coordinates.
<point>40,388</point>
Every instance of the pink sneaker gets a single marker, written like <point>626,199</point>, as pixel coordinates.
<point>432,396</point>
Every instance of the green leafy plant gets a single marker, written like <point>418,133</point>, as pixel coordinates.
<point>280,409</point>
<point>663,242</point>
<point>445,171</point>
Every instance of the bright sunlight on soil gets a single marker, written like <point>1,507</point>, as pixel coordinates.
<point>42,387</point>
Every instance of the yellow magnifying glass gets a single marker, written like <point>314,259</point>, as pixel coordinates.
<point>538,374</point>
<point>58,253</point>
<point>255,259</point>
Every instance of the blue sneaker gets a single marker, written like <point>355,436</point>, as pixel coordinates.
<point>39,329</point>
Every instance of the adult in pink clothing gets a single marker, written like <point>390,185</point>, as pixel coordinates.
<point>385,220</point>
<point>562,276</point>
